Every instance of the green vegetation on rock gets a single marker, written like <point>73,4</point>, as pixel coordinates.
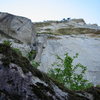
<point>31,55</point>
<point>65,31</point>
<point>66,73</point>
<point>7,43</point>
<point>42,24</point>
<point>17,51</point>
<point>35,64</point>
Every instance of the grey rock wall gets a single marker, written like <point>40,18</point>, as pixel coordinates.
<point>17,27</point>
<point>87,46</point>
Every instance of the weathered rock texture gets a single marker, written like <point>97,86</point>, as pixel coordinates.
<point>72,26</point>
<point>16,27</point>
<point>19,80</point>
<point>20,31</point>
<point>88,47</point>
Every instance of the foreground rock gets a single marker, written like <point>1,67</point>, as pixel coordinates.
<point>19,80</point>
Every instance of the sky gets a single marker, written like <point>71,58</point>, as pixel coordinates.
<point>42,10</point>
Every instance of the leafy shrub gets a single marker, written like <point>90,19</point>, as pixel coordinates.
<point>17,51</point>
<point>7,43</point>
<point>65,73</point>
<point>35,64</point>
<point>31,55</point>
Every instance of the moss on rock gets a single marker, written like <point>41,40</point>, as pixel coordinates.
<point>11,56</point>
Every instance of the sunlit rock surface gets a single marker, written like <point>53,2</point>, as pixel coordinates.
<point>19,31</point>
<point>16,27</point>
<point>63,27</point>
<point>88,47</point>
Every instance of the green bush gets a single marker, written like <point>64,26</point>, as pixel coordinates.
<point>7,43</point>
<point>31,55</point>
<point>65,73</point>
<point>17,51</point>
<point>35,64</point>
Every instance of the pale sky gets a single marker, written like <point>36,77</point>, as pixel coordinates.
<point>40,10</point>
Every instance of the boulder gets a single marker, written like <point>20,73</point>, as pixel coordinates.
<point>16,27</point>
<point>19,80</point>
<point>79,21</point>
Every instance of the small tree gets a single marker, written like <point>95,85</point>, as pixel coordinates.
<point>65,73</point>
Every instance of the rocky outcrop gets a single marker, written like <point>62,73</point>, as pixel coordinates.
<point>19,31</point>
<point>19,80</point>
<point>72,26</point>
<point>16,27</point>
<point>79,21</point>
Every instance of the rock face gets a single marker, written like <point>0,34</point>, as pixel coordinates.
<point>16,27</point>
<point>87,46</point>
<point>72,26</point>
<point>19,80</point>
<point>79,21</point>
<point>18,30</point>
<point>63,27</point>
